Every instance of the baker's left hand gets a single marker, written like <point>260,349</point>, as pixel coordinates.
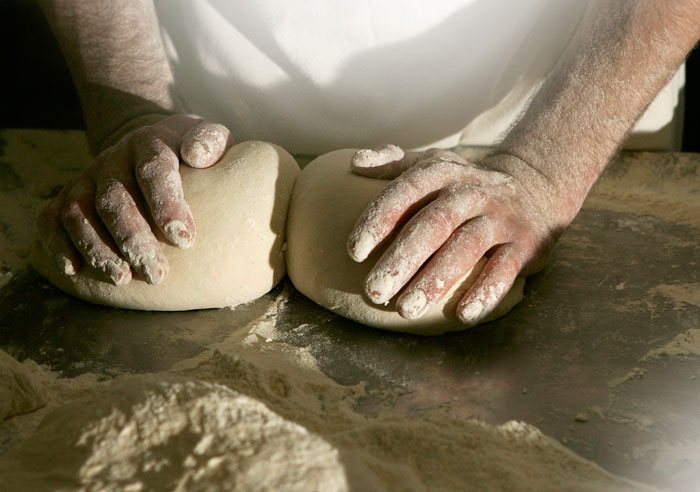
<point>450,213</point>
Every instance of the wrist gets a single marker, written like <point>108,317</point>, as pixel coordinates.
<point>548,190</point>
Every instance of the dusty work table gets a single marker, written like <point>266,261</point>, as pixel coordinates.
<point>603,353</point>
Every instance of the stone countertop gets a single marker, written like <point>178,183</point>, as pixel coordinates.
<point>603,353</point>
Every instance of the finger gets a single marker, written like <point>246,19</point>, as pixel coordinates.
<point>89,234</point>
<point>116,199</point>
<point>396,202</point>
<point>424,234</point>
<point>491,287</point>
<point>204,144</point>
<point>390,161</point>
<point>452,263</point>
<point>54,239</point>
<point>157,170</point>
<point>383,162</point>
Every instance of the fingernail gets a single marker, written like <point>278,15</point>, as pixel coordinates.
<point>152,270</point>
<point>64,264</point>
<point>412,304</point>
<point>361,245</point>
<point>378,156</point>
<point>199,153</point>
<point>363,158</point>
<point>380,288</point>
<point>471,313</point>
<point>177,232</point>
<point>117,271</point>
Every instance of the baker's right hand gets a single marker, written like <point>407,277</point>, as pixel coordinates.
<point>102,217</point>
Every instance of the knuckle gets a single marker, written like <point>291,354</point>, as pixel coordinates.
<point>439,216</point>
<point>71,212</point>
<point>144,134</point>
<point>510,264</point>
<point>151,139</point>
<point>149,167</point>
<point>109,196</point>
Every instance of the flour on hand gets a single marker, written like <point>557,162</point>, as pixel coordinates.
<point>240,210</point>
<point>328,198</point>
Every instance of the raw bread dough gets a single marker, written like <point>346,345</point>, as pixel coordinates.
<point>20,392</point>
<point>240,208</point>
<point>171,433</point>
<point>328,198</point>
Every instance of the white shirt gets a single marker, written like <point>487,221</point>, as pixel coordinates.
<point>317,75</point>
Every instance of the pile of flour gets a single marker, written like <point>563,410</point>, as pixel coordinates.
<point>257,414</point>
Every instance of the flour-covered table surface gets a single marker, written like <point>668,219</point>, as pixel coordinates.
<point>603,353</point>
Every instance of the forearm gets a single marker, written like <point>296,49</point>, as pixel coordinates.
<point>117,60</point>
<point>586,107</point>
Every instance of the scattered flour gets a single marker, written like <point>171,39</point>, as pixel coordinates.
<point>20,391</point>
<point>634,373</point>
<point>685,344</point>
<point>255,413</point>
<point>681,295</point>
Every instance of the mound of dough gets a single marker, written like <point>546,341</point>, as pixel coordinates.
<point>328,198</point>
<point>240,209</point>
<point>170,433</point>
<point>20,392</point>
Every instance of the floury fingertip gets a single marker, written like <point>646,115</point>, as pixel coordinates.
<point>412,304</point>
<point>64,264</point>
<point>377,157</point>
<point>361,245</point>
<point>178,233</point>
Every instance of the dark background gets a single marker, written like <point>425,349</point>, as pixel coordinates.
<point>38,92</point>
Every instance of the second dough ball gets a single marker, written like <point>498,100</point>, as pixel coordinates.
<point>328,199</point>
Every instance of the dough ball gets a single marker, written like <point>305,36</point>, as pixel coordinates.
<point>20,391</point>
<point>327,201</point>
<point>240,209</point>
<point>169,433</point>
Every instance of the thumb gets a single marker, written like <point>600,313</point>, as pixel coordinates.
<point>204,144</point>
<point>383,162</point>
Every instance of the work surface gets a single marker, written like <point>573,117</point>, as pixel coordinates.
<point>602,354</point>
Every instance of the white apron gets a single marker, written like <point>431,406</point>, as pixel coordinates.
<point>317,75</point>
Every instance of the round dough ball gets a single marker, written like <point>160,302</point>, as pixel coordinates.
<point>169,433</point>
<point>240,208</point>
<point>327,201</point>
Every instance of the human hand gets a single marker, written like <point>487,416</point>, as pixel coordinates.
<point>103,217</point>
<point>450,213</point>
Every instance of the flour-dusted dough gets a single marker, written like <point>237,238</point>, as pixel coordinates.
<point>170,433</point>
<point>20,392</point>
<point>328,198</point>
<point>240,209</point>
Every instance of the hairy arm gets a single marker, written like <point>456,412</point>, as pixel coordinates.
<point>584,110</point>
<point>107,217</point>
<point>513,205</point>
<point>117,61</point>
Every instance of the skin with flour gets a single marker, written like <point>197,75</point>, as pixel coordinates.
<point>328,197</point>
<point>517,201</point>
<point>240,255</point>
